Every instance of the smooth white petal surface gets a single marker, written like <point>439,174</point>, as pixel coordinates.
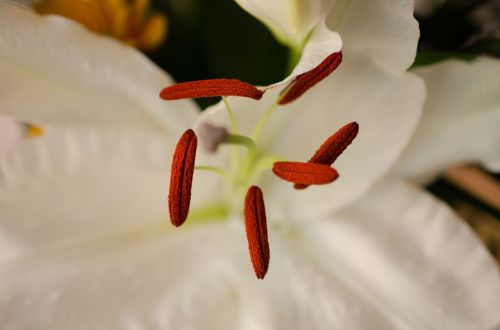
<point>383,31</point>
<point>291,21</point>
<point>189,279</point>
<point>461,119</point>
<point>386,107</point>
<point>68,188</point>
<point>54,71</point>
<point>397,259</point>
<point>11,132</point>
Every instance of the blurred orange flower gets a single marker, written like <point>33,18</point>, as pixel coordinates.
<point>128,20</point>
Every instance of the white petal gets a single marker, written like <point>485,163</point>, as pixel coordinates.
<point>322,43</point>
<point>383,31</point>
<point>386,107</point>
<point>11,132</point>
<point>185,280</point>
<point>397,259</point>
<point>461,119</point>
<point>54,71</point>
<point>63,189</point>
<point>290,21</point>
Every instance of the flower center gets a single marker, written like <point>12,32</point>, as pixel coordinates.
<point>246,167</point>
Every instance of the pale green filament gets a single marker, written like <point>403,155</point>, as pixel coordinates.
<point>242,174</point>
<point>230,114</point>
<point>208,212</point>
<point>235,155</point>
<point>263,120</point>
<point>213,169</point>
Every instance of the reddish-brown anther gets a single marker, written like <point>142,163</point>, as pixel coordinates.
<point>308,79</point>
<point>333,147</point>
<point>181,177</point>
<point>305,173</point>
<point>256,229</point>
<point>211,88</point>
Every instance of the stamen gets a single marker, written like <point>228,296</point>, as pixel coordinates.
<point>211,88</point>
<point>333,147</point>
<point>181,177</point>
<point>305,173</point>
<point>256,229</point>
<point>306,80</point>
<point>212,136</point>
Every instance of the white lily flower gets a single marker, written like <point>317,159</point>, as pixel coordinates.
<point>84,240</point>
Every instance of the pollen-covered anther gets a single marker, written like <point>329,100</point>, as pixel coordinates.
<point>333,147</point>
<point>256,230</point>
<point>212,136</point>
<point>305,173</point>
<point>306,80</point>
<point>181,177</point>
<point>211,88</point>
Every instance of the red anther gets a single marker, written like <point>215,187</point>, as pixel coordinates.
<point>256,229</point>
<point>211,88</point>
<point>305,173</point>
<point>308,79</point>
<point>333,147</point>
<point>181,177</point>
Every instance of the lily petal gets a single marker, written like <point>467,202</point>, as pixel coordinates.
<point>290,21</point>
<point>396,259</point>
<point>57,72</point>
<point>341,271</point>
<point>70,188</point>
<point>11,132</point>
<point>387,108</point>
<point>384,31</point>
<point>152,280</point>
<point>461,119</point>
<point>322,43</point>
